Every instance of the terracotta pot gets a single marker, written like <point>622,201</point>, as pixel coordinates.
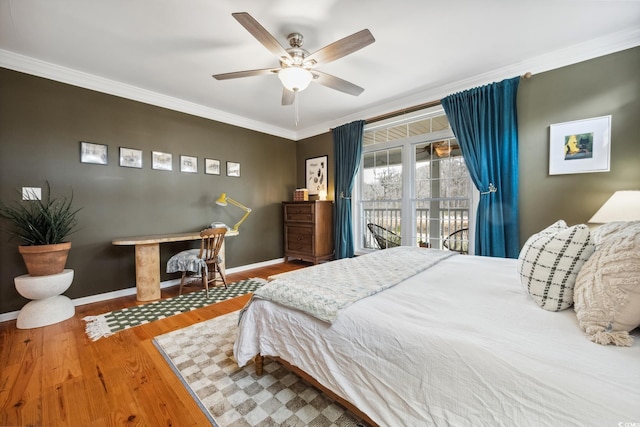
<point>43,260</point>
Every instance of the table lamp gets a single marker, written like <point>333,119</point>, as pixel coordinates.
<point>622,206</point>
<point>223,200</point>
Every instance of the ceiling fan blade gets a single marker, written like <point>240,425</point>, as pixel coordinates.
<point>262,35</point>
<point>336,83</point>
<point>342,47</point>
<point>247,73</point>
<point>287,96</point>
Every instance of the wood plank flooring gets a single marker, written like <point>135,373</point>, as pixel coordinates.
<point>56,376</point>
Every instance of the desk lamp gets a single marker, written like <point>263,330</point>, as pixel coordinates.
<point>622,206</point>
<point>223,200</point>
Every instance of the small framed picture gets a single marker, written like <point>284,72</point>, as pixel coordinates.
<point>233,169</point>
<point>212,166</point>
<point>581,146</point>
<point>316,175</point>
<point>93,153</point>
<point>188,164</point>
<point>130,158</point>
<point>161,161</point>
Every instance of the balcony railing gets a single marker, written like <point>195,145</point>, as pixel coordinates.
<point>432,230</point>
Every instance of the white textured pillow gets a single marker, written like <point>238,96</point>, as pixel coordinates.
<point>604,231</point>
<point>607,292</point>
<point>549,263</point>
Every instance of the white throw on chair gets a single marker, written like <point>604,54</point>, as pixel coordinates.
<point>204,262</point>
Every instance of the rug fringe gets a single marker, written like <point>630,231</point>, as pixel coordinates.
<point>97,327</point>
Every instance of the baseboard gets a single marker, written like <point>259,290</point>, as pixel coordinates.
<point>132,291</point>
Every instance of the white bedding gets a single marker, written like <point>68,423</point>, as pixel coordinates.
<point>459,344</point>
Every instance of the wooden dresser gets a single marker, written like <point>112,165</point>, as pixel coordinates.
<point>308,230</point>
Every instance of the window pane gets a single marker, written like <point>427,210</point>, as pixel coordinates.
<point>385,215</point>
<point>382,175</point>
<point>441,185</point>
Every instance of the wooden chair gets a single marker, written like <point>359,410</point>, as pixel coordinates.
<point>458,241</point>
<point>205,262</point>
<point>384,238</point>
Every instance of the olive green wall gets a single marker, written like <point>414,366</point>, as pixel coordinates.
<point>41,124</point>
<point>316,146</point>
<point>608,85</point>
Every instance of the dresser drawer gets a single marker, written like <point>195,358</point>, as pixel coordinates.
<point>299,213</point>
<point>299,239</point>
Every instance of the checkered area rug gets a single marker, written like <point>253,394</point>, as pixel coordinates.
<point>108,324</point>
<point>202,357</point>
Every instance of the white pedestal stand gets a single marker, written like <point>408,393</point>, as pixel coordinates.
<point>48,306</point>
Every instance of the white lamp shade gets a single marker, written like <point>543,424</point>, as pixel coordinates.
<point>622,206</point>
<point>295,78</point>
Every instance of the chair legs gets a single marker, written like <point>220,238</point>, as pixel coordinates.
<point>214,268</point>
<point>182,280</point>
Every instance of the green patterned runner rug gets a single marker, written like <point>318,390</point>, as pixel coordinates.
<point>108,324</point>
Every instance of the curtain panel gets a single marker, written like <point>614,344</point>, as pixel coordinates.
<point>484,120</point>
<point>347,148</point>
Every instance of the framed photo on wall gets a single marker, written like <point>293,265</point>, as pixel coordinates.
<point>233,169</point>
<point>188,164</point>
<point>316,175</point>
<point>93,153</point>
<point>581,146</point>
<point>212,166</point>
<point>161,161</point>
<point>130,158</point>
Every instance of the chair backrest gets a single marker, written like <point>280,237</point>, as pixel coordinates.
<point>458,241</point>
<point>212,240</point>
<point>384,238</point>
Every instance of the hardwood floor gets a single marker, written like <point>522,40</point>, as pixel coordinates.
<point>56,376</point>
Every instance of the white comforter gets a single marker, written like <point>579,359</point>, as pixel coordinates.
<point>460,344</point>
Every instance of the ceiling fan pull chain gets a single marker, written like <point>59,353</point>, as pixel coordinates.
<point>295,104</point>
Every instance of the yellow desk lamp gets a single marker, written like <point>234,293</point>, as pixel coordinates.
<point>223,200</point>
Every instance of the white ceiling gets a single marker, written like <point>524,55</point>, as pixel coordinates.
<point>164,52</point>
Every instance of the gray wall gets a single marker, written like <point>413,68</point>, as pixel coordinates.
<point>41,124</point>
<point>609,85</point>
<point>316,146</point>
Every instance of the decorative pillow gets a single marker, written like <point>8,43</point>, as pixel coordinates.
<point>607,292</point>
<point>549,263</point>
<point>610,228</point>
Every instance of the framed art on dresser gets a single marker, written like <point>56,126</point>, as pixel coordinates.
<point>316,175</point>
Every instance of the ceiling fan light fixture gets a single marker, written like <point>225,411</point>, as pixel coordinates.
<point>295,79</point>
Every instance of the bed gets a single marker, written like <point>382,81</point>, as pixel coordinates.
<point>457,343</point>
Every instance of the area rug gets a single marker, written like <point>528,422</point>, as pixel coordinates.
<point>107,324</point>
<point>201,355</point>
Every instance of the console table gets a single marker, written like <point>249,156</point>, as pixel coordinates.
<point>148,259</point>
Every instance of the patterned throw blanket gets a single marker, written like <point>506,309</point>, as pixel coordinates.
<point>324,290</point>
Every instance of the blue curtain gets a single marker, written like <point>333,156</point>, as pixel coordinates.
<point>347,149</point>
<point>484,121</point>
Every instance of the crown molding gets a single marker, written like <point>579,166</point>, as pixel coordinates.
<point>36,67</point>
<point>577,53</point>
<point>549,61</point>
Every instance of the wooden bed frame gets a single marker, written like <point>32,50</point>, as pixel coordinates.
<point>259,361</point>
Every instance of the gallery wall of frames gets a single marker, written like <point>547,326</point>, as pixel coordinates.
<point>98,154</point>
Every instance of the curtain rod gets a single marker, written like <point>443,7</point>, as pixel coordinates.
<point>418,107</point>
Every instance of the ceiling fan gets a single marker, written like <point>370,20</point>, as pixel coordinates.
<point>297,66</point>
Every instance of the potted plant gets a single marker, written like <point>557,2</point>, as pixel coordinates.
<point>43,226</point>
